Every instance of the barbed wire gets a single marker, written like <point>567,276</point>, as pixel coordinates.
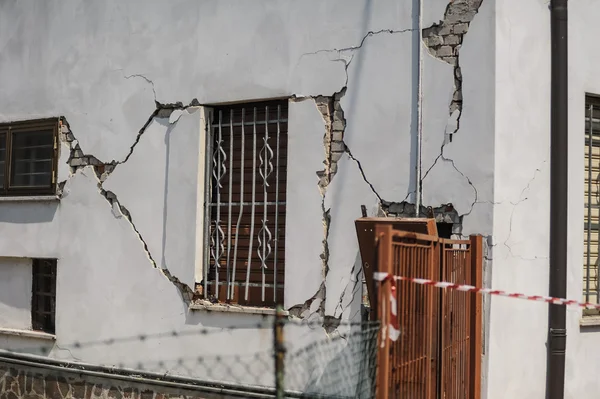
<point>323,358</point>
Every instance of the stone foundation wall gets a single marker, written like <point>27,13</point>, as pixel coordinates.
<point>18,382</point>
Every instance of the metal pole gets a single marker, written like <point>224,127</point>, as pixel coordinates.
<point>557,332</point>
<point>279,346</point>
<point>418,187</point>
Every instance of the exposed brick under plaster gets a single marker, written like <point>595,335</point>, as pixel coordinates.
<point>443,41</point>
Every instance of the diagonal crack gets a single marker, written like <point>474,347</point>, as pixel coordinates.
<point>357,284</point>
<point>362,172</point>
<point>78,160</point>
<point>519,201</point>
<point>185,291</point>
<point>138,75</point>
<point>362,41</point>
<point>139,135</point>
<point>443,41</point>
<point>468,181</point>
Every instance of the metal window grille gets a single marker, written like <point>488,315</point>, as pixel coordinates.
<point>28,157</point>
<point>246,194</point>
<point>43,302</point>
<point>591,288</point>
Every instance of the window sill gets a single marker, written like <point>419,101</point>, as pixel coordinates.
<point>30,198</point>
<point>220,307</point>
<point>27,334</point>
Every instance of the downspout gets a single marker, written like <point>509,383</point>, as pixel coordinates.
<point>418,188</point>
<point>557,332</point>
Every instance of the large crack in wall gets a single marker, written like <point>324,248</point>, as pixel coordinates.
<point>79,160</point>
<point>333,142</point>
<point>444,40</point>
<point>334,146</point>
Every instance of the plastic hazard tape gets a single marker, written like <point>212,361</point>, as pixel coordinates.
<point>393,328</point>
<point>469,288</point>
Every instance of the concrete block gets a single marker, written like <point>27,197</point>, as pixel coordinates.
<point>434,41</point>
<point>451,39</point>
<point>337,146</point>
<point>444,51</point>
<point>460,29</point>
<point>338,125</point>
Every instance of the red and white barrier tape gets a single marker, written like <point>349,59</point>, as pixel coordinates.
<point>469,288</point>
<point>394,325</point>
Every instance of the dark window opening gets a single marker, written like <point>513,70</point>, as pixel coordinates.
<point>28,157</point>
<point>43,302</point>
<point>444,230</point>
<point>247,168</point>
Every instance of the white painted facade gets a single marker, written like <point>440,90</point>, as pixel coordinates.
<point>102,66</point>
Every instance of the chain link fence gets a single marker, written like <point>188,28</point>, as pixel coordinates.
<point>341,365</point>
<point>277,357</point>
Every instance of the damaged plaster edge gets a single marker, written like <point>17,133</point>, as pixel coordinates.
<point>354,278</point>
<point>202,304</point>
<point>364,176</point>
<point>334,121</point>
<point>161,111</point>
<point>79,161</point>
<point>443,41</point>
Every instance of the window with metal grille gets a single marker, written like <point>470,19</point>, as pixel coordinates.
<point>43,301</point>
<point>28,157</point>
<point>591,288</point>
<point>245,196</point>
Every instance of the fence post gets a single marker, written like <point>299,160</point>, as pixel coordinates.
<point>476,314</point>
<point>383,236</point>
<point>279,346</point>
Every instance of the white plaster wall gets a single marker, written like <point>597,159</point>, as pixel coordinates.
<point>517,338</point>
<point>521,207</point>
<point>15,295</point>
<point>583,351</point>
<point>102,66</point>
<point>162,199</point>
<point>304,231</point>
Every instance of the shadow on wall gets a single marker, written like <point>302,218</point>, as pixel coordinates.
<point>228,320</point>
<point>28,212</point>
<point>166,193</point>
<point>25,345</point>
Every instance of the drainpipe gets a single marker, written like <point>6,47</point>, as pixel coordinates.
<point>418,188</point>
<point>557,331</point>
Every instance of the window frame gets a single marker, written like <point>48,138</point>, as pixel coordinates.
<point>203,258</point>
<point>13,128</point>
<point>591,100</point>
<point>38,324</point>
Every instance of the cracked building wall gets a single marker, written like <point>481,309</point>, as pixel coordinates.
<point>352,78</point>
<point>521,244</point>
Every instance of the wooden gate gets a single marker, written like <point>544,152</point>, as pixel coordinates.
<point>437,354</point>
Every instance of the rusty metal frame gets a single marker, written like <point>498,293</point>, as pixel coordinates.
<point>435,356</point>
